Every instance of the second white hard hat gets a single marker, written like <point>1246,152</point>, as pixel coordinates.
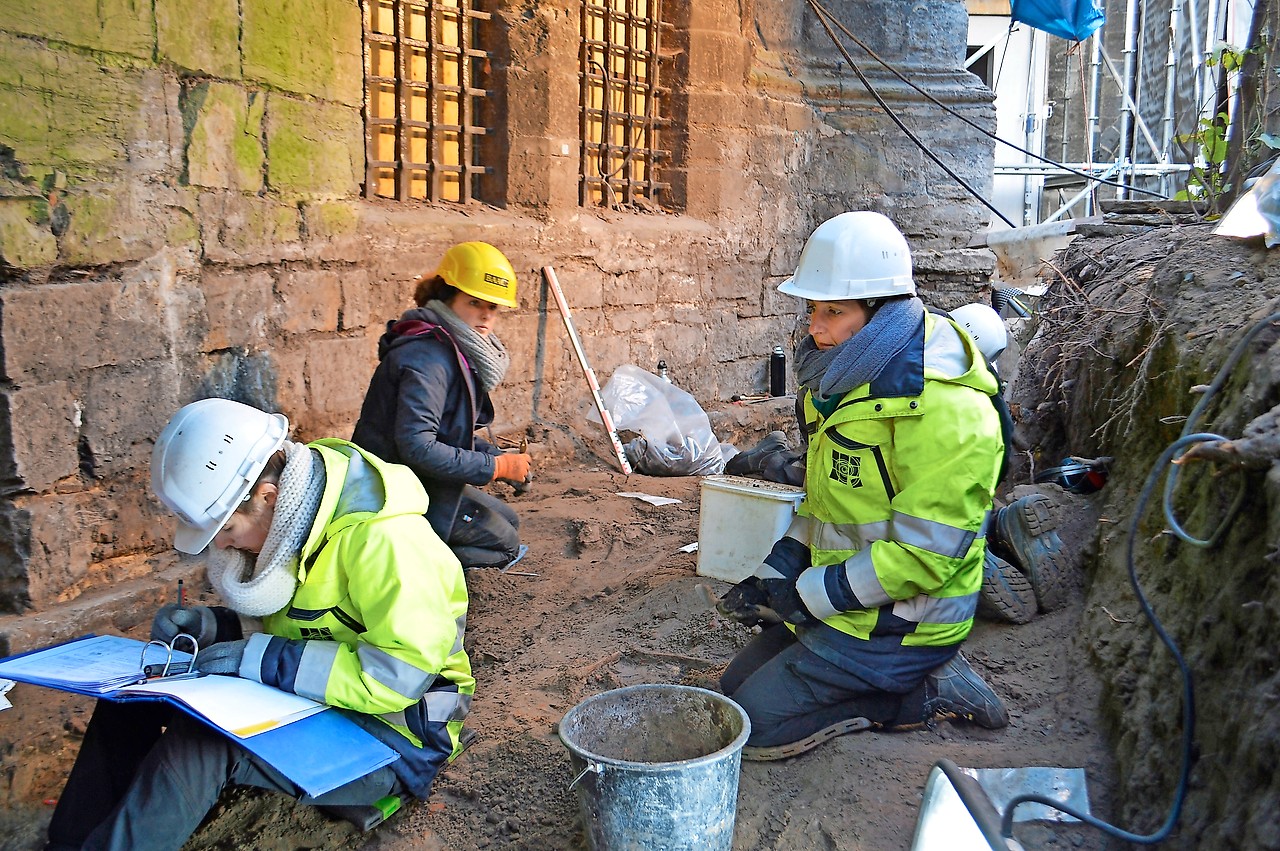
<point>206,461</point>
<point>985,327</point>
<point>853,255</point>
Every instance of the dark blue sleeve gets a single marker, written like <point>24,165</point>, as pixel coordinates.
<point>789,557</point>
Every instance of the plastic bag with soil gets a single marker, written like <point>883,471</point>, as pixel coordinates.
<point>675,437</point>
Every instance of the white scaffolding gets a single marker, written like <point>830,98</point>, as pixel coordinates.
<point>1123,121</point>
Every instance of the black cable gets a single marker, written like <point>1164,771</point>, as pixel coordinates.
<point>1004,54</point>
<point>896,120</point>
<point>984,131</point>
<point>1188,691</point>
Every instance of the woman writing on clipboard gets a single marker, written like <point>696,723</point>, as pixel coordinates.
<point>337,590</point>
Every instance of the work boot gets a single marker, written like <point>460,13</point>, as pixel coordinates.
<point>752,461</point>
<point>956,690</point>
<point>1024,534</point>
<point>1006,594</point>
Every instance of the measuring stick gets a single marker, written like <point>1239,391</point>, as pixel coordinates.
<point>554,284</point>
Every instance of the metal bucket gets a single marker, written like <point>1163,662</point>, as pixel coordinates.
<point>656,767</point>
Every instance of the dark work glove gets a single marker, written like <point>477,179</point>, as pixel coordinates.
<point>742,602</point>
<point>785,600</point>
<point>196,621</point>
<point>222,658</point>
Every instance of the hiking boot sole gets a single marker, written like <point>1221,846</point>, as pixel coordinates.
<point>1006,595</point>
<point>767,754</point>
<point>1043,561</point>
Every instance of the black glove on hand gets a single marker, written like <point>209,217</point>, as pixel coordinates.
<point>784,599</point>
<point>222,658</point>
<point>196,621</point>
<point>742,602</point>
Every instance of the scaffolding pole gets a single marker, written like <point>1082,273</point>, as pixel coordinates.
<point>1128,109</point>
<point>1170,88</point>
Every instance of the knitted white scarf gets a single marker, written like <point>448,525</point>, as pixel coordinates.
<point>261,585</point>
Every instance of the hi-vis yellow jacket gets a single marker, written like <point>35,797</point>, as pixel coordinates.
<point>376,623</point>
<point>900,477</point>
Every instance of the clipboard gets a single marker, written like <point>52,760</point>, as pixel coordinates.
<point>315,746</point>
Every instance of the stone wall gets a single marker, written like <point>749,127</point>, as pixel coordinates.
<point>181,215</point>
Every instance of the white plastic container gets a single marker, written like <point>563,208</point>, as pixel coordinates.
<point>739,521</point>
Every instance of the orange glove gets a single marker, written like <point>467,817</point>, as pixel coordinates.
<point>512,466</point>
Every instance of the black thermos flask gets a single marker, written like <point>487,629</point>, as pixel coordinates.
<point>778,372</point>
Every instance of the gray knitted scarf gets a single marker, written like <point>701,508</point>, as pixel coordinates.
<point>264,584</point>
<point>487,356</point>
<point>863,356</point>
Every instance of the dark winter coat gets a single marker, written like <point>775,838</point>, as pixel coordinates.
<point>422,410</point>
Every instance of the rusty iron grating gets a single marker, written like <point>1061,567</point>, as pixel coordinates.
<point>621,104</point>
<point>421,63</point>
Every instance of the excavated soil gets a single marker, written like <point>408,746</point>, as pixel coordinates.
<point>613,602</point>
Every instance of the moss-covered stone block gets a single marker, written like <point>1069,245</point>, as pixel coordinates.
<point>329,220</point>
<point>25,237</point>
<point>114,26</point>
<point>101,229</point>
<point>311,47</point>
<point>207,43</point>
<point>224,145</point>
<point>60,110</point>
<point>244,229</point>
<point>314,150</point>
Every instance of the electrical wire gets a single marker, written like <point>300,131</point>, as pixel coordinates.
<point>822,18</point>
<point>984,131</point>
<point>1169,456</point>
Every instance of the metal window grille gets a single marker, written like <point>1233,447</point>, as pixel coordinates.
<point>421,63</point>
<point>621,104</point>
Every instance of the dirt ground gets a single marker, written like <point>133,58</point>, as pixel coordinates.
<point>611,601</point>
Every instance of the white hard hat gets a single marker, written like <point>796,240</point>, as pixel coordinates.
<point>985,327</point>
<point>206,461</point>
<point>854,255</point>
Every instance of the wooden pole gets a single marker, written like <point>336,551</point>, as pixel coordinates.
<point>554,285</point>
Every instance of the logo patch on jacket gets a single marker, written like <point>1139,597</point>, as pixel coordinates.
<point>323,633</point>
<point>844,469</point>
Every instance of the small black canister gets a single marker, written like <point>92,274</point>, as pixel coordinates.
<point>778,372</point>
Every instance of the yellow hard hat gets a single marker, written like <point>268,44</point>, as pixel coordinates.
<point>480,270</point>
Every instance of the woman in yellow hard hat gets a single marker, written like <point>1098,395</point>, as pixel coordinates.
<point>437,365</point>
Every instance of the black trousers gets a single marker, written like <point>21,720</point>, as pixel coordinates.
<point>147,775</point>
<point>790,693</point>
<point>486,531</point>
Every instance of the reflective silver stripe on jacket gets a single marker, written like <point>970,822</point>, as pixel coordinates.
<point>925,609</point>
<point>799,529</point>
<point>313,669</point>
<point>461,623</point>
<point>866,586</point>
<point>850,536</point>
<point>941,538</point>
<point>392,672</point>
<point>930,535</point>
<point>442,707</point>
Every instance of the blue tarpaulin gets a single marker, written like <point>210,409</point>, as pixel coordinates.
<point>1073,19</point>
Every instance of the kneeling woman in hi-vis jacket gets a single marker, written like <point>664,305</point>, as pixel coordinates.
<point>876,581</point>
<point>337,589</point>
